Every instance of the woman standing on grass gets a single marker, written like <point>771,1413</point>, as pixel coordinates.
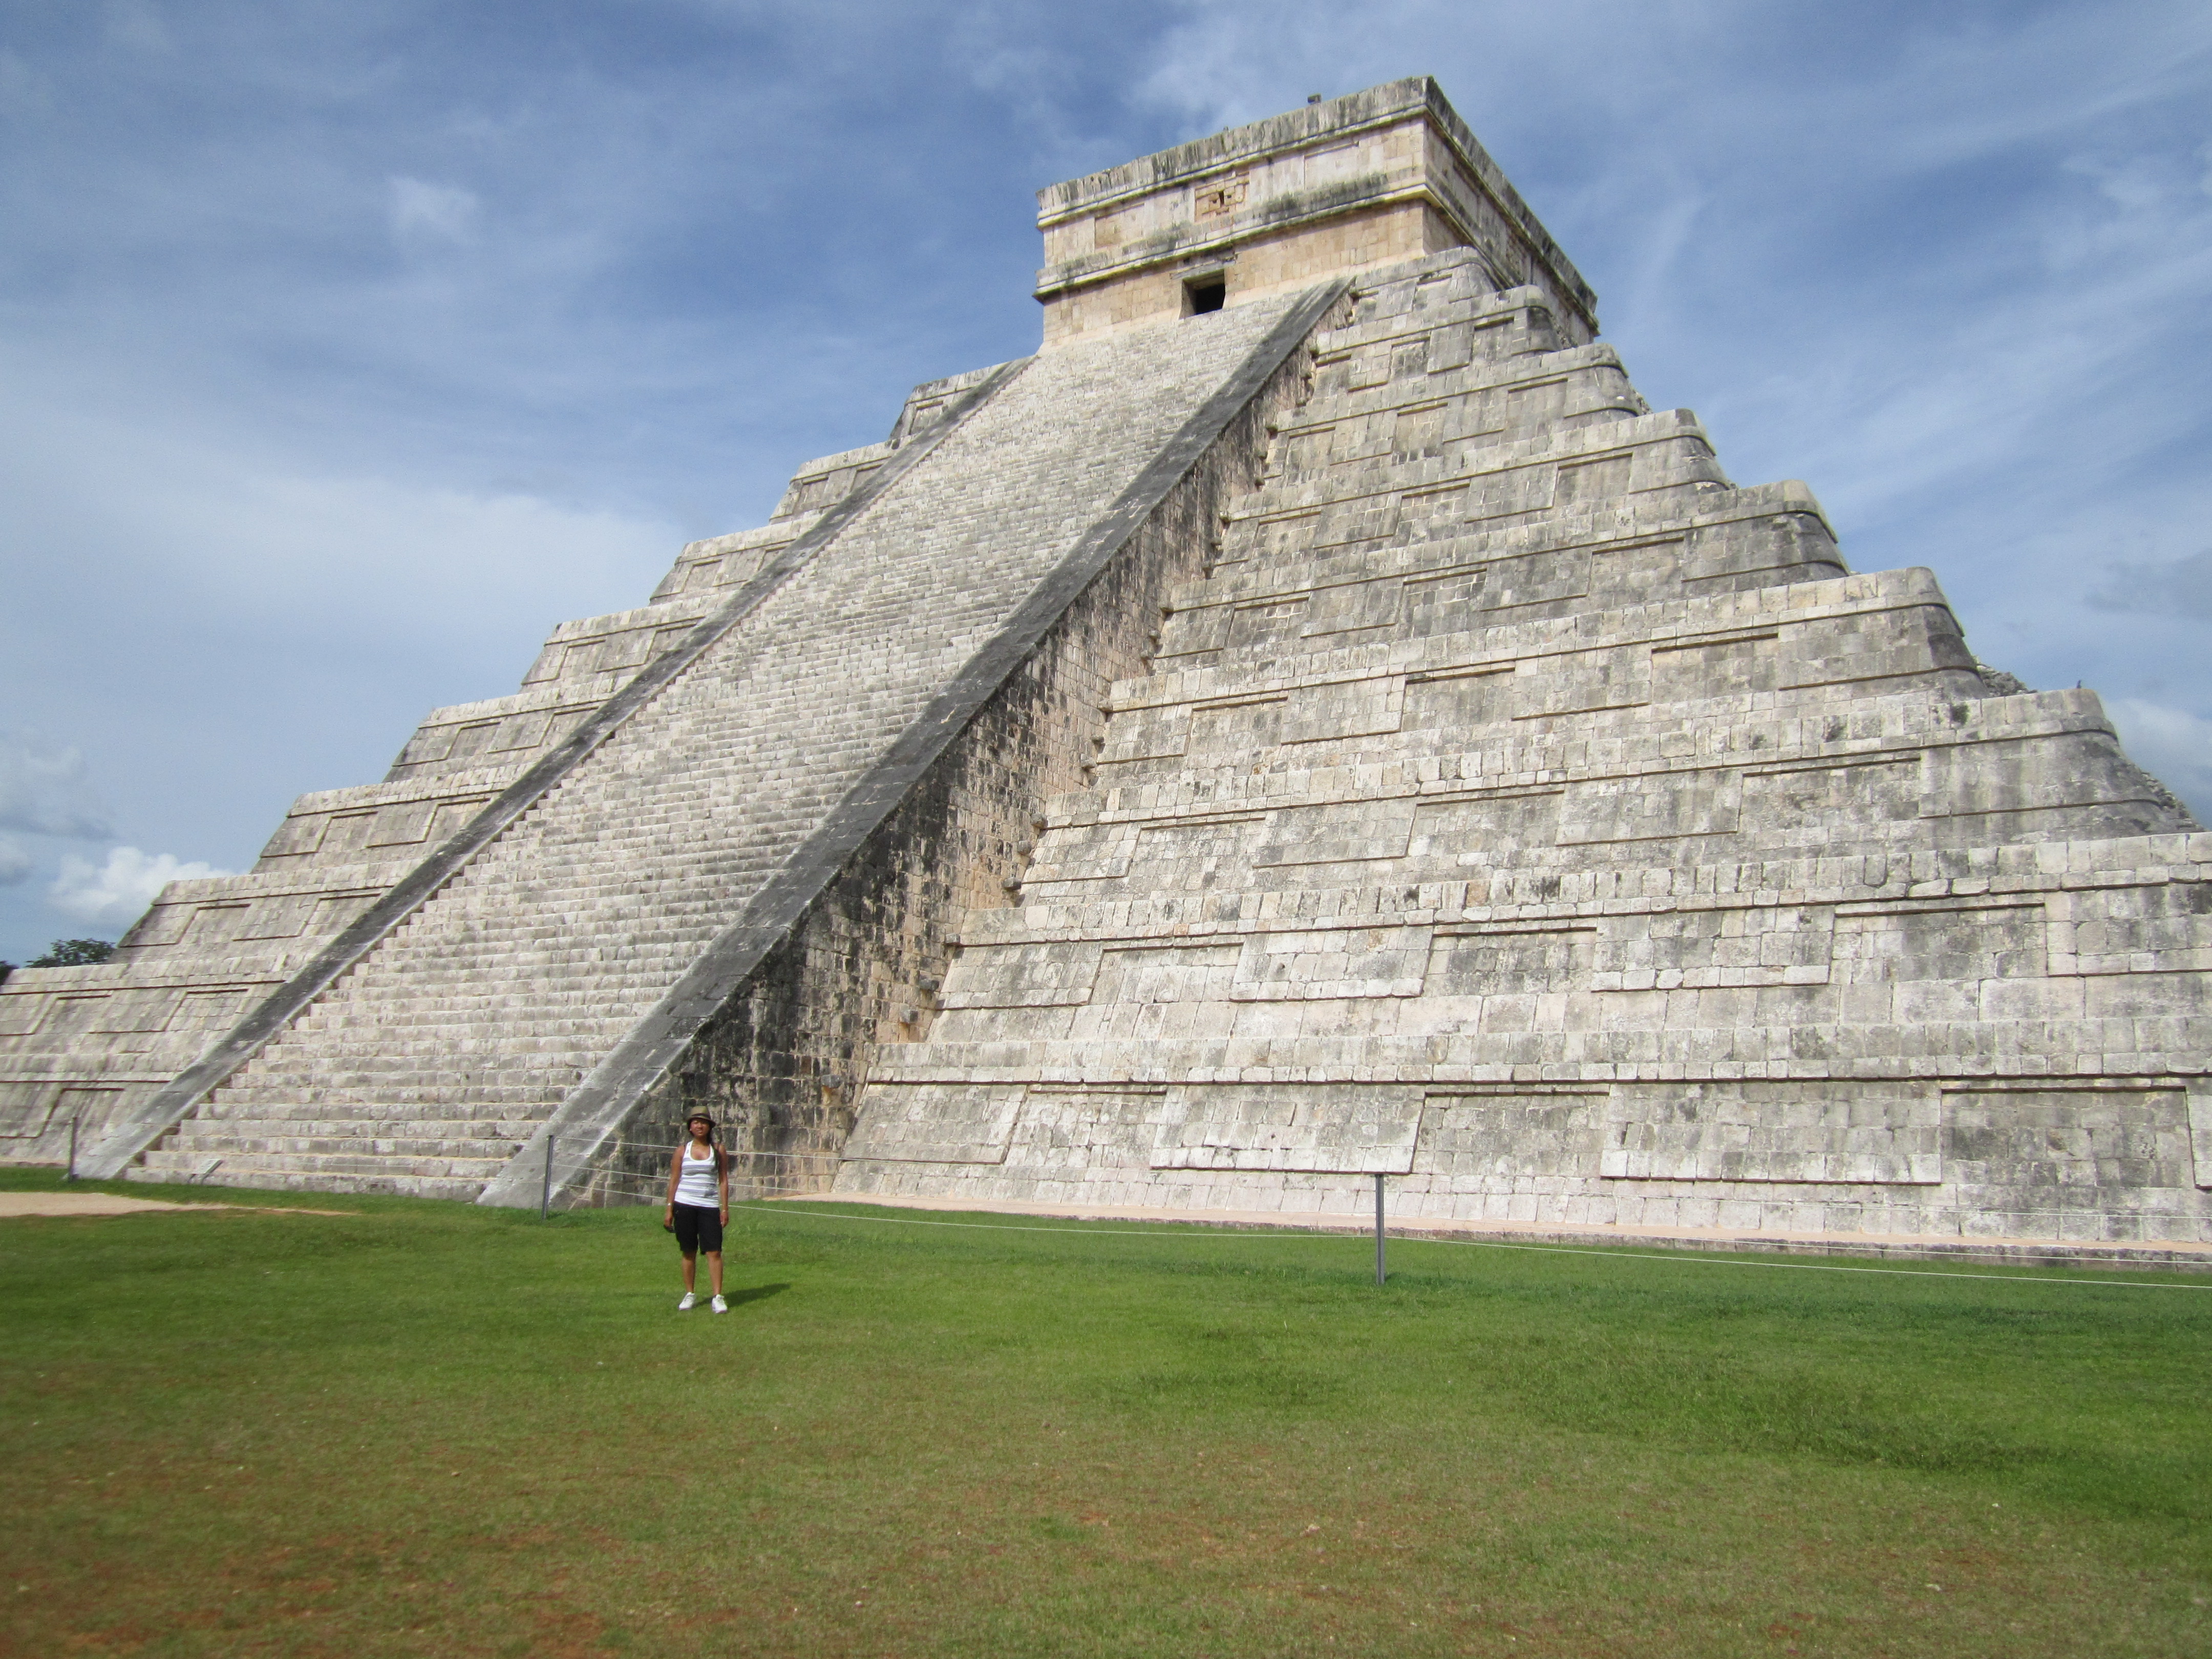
<point>699,1207</point>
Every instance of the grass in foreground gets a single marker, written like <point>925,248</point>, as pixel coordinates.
<point>421,1428</point>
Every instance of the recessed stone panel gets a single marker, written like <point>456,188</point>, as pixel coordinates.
<point>1484,830</point>
<point>2085,1149</point>
<point>1334,834</point>
<point>26,1109</point>
<point>1266,622</point>
<point>1711,946</point>
<point>1042,975</point>
<point>1661,807</point>
<point>1137,734</point>
<point>1074,1134</point>
<point>1810,1131</point>
<point>1510,959</point>
<point>1584,683</point>
<point>938,1122</point>
<point>1496,1140</point>
<point>1722,668</point>
<point>1321,713</point>
<point>1846,800</point>
<point>2131,930</point>
<point>1331,1128</point>
<point>1457,702</point>
<point>1354,608</point>
<point>1236,729</point>
<point>1958,943</point>
<point>1155,991</point>
<point>1337,962</point>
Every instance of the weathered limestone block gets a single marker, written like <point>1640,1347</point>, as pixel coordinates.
<point>1371,179</point>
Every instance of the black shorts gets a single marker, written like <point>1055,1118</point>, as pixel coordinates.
<point>698,1230</point>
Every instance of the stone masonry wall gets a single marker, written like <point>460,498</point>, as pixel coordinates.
<point>1525,811</point>
<point>785,1063</point>
<point>88,1046</point>
<point>548,954</point>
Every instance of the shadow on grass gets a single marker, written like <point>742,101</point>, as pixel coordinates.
<point>738,1299</point>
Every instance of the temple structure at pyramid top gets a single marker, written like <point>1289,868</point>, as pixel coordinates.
<point>1312,721</point>
<point>1327,190</point>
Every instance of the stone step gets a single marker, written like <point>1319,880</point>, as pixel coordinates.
<point>487,1095</point>
<point>354,1145</point>
<point>498,994</point>
<point>244,1165</point>
<point>216,1172</point>
<point>397,1118</point>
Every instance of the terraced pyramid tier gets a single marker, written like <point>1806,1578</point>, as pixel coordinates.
<point>1521,811</point>
<point>1313,721</point>
<point>555,965</point>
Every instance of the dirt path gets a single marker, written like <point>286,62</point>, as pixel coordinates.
<point>77,1204</point>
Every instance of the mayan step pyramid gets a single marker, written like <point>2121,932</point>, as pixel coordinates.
<point>1313,720</point>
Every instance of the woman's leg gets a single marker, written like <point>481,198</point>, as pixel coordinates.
<point>713,1270</point>
<point>692,1272</point>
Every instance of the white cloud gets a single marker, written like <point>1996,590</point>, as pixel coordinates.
<point>2172,742</point>
<point>422,211</point>
<point>119,890</point>
<point>44,790</point>
<point>227,528</point>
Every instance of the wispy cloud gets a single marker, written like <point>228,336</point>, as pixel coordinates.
<point>423,211</point>
<point>45,790</point>
<point>2172,742</point>
<point>2183,587</point>
<point>117,892</point>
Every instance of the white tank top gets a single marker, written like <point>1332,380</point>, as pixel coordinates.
<point>697,1186</point>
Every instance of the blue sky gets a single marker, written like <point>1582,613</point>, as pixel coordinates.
<point>346,348</point>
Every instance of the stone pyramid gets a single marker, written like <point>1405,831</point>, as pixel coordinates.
<point>1311,721</point>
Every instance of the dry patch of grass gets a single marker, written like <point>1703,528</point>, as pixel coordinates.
<point>426,1428</point>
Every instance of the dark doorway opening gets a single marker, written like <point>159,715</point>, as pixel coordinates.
<point>1207,293</point>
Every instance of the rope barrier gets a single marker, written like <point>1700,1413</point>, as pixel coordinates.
<point>651,1187</point>
<point>1686,1258</point>
<point>2022,1217</point>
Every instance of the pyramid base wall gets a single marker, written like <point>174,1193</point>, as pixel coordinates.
<point>2063,1161</point>
<point>1583,1237</point>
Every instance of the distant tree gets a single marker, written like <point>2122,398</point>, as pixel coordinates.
<point>75,953</point>
<point>6,968</point>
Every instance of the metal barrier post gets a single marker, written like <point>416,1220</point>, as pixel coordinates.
<point>1381,1272</point>
<point>545,1201</point>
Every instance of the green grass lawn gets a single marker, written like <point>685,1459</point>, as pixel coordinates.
<point>425,1428</point>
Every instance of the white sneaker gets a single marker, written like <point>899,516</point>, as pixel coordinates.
<point>720,1306</point>
<point>689,1302</point>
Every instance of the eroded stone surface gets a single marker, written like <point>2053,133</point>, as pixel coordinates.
<point>1523,811</point>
